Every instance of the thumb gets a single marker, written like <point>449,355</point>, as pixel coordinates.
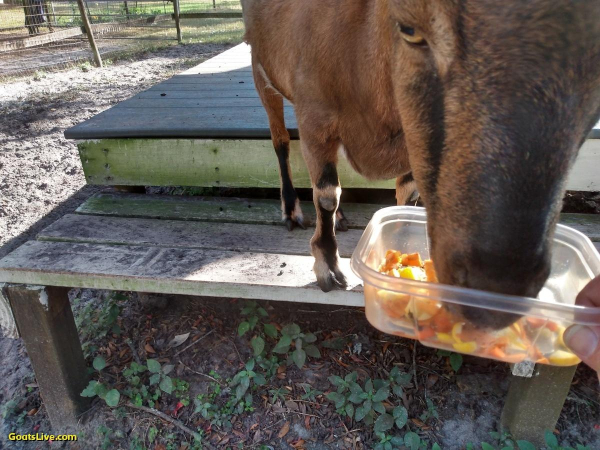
<point>584,341</point>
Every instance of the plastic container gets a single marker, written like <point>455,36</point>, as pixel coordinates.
<point>426,311</point>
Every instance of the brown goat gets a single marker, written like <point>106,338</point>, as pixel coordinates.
<point>484,103</point>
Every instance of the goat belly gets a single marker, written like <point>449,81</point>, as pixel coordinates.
<point>376,164</point>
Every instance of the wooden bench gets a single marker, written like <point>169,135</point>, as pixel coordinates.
<point>205,127</point>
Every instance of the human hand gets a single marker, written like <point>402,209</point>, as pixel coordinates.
<point>584,340</point>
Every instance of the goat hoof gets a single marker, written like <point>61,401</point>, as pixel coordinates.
<point>332,281</point>
<point>290,224</point>
<point>341,225</point>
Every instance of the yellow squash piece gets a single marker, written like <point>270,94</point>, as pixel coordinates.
<point>563,358</point>
<point>465,347</point>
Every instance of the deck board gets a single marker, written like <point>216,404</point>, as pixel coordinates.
<point>235,237</point>
<point>174,271</point>
<point>226,76</point>
<point>212,209</point>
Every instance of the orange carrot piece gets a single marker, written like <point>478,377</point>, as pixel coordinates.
<point>497,352</point>
<point>426,333</point>
<point>412,259</point>
<point>430,271</point>
<point>536,322</point>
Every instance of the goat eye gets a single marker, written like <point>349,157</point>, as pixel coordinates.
<point>409,34</point>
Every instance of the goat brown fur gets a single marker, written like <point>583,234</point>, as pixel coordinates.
<point>484,103</point>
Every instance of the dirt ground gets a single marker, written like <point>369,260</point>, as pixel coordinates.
<point>41,179</point>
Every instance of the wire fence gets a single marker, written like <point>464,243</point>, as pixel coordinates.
<point>37,35</point>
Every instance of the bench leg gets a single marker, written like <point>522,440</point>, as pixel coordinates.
<point>45,322</point>
<point>533,405</point>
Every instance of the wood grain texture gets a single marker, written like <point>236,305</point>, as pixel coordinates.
<point>8,326</point>
<point>189,234</point>
<point>150,162</point>
<point>200,162</point>
<point>212,209</point>
<point>175,271</point>
<point>44,317</point>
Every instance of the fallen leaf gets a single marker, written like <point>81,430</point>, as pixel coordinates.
<point>292,405</point>
<point>159,447</point>
<point>298,444</point>
<point>253,426</point>
<point>385,346</point>
<point>178,340</point>
<point>420,424</point>
<point>431,380</point>
<point>307,422</point>
<point>281,369</point>
<point>32,412</point>
<point>149,348</point>
<point>123,352</point>
<point>284,430</point>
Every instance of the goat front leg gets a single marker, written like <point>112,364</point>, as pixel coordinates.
<point>321,161</point>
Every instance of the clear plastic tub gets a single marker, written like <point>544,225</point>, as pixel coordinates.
<point>422,310</point>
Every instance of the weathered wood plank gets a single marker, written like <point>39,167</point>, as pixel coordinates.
<point>8,326</point>
<point>533,405</point>
<point>124,122</point>
<point>190,95</point>
<point>44,317</point>
<point>196,162</point>
<point>588,224</point>
<point>253,211</point>
<point>231,86</point>
<point>189,234</point>
<point>147,162</point>
<point>175,271</point>
<point>196,103</point>
<point>18,43</point>
<point>228,78</point>
<point>585,174</point>
<point>212,209</point>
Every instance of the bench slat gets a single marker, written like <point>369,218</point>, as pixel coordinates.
<point>199,162</point>
<point>189,234</point>
<point>212,209</point>
<point>174,271</point>
<point>254,211</point>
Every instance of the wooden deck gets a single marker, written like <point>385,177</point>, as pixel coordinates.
<point>195,246</point>
<point>208,116</point>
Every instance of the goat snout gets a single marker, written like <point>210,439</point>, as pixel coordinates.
<point>505,272</point>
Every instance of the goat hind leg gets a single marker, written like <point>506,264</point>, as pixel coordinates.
<point>273,103</point>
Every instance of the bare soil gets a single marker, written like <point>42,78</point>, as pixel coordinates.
<point>41,179</point>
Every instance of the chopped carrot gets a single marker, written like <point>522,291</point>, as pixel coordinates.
<point>552,326</point>
<point>412,259</point>
<point>426,333</point>
<point>497,352</point>
<point>442,322</point>
<point>536,322</point>
<point>430,271</point>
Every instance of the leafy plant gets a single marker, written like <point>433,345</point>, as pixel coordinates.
<point>254,314</point>
<point>95,388</point>
<point>303,345</point>
<point>455,359</point>
<point>96,319</point>
<point>387,442</point>
<point>431,411</point>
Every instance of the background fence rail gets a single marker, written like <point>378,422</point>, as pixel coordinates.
<point>40,34</point>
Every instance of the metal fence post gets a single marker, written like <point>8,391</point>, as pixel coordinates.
<point>90,34</point>
<point>177,24</point>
